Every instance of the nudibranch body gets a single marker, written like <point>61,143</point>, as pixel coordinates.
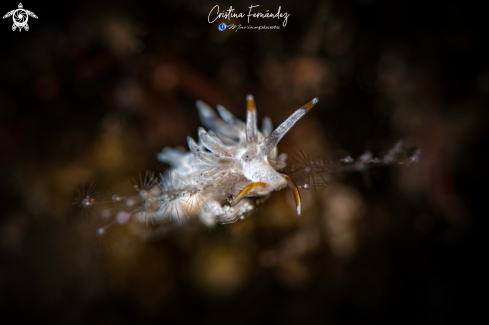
<point>229,171</point>
<point>223,176</point>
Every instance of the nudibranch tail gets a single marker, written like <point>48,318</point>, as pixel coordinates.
<point>295,191</point>
<point>274,138</point>
<point>251,127</point>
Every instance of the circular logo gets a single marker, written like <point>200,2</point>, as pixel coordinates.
<point>20,17</point>
<point>222,27</point>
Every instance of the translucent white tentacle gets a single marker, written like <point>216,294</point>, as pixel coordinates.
<point>266,127</point>
<point>211,121</point>
<point>207,158</point>
<point>274,138</point>
<point>212,144</point>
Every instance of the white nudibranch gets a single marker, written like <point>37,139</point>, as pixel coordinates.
<point>230,170</point>
<point>222,176</point>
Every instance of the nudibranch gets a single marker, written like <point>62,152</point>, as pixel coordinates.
<point>232,168</point>
<point>226,173</point>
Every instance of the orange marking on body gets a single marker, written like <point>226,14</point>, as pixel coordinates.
<point>248,190</point>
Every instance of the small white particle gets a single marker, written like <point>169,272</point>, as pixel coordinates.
<point>122,217</point>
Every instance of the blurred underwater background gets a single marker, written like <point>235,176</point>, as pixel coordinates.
<point>95,90</point>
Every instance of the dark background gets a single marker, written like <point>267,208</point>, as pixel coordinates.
<point>94,90</point>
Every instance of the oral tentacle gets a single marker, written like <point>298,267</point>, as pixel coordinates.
<point>248,190</point>
<point>274,138</point>
<point>297,196</point>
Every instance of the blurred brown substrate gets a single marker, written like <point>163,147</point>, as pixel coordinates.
<point>94,91</point>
